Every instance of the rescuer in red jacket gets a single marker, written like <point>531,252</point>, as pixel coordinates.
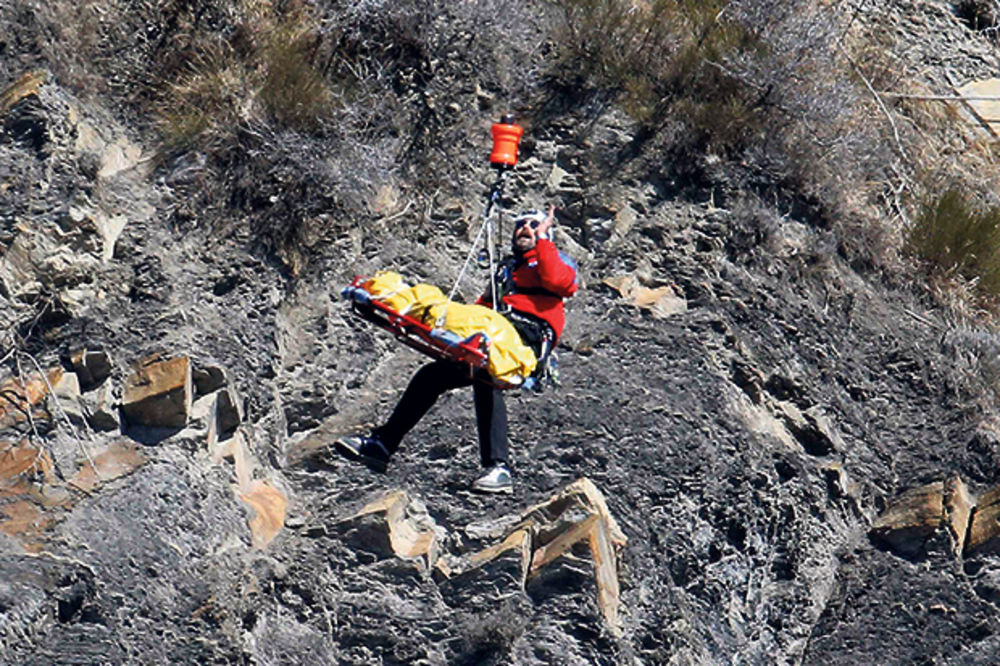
<point>531,286</point>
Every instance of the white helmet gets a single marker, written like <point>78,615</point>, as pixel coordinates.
<point>533,217</point>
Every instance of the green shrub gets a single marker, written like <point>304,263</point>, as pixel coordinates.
<point>956,239</point>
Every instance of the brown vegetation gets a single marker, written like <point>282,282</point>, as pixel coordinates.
<point>955,238</point>
<point>766,91</point>
<point>742,98</point>
<point>264,74</point>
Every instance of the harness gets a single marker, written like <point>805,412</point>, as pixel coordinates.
<point>535,331</point>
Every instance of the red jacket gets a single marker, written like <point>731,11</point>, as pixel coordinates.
<point>541,281</point>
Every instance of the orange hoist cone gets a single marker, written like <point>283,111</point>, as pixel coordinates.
<point>506,137</point>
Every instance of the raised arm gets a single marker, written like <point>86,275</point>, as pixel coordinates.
<point>555,274</point>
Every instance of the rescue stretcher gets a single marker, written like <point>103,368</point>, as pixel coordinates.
<point>436,343</point>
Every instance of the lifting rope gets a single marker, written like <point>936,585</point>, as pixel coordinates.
<point>503,158</point>
<point>496,191</point>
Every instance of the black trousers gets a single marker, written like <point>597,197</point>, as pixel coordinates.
<point>427,385</point>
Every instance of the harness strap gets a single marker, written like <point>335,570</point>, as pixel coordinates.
<point>535,332</point>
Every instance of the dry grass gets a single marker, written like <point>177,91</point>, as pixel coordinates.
<point>955,237</point>
<point>763,87</point>
<point>663,58</point>
<point>941,164</point>
<point>294,93</point>
<point>263,73</point>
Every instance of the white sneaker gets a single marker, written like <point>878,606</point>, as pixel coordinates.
<point>495,480</point>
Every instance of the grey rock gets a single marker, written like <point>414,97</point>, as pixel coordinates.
<point>92,367</point>
<point>101,409</point>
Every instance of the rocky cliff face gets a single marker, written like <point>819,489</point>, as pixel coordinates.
<point>760,453</point>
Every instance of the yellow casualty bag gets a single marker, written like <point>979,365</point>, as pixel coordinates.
<point>385,284</point>
<point>389,288</point>
<point>421,297</point>
<point>510,359</point>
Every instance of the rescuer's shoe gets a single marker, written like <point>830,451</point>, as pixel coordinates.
<point>495,480</point>
<point>369,451</point>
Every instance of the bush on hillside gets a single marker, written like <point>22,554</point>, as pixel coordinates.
<point>954,238</point>
<point>262,73</point>
<point>761,84</point>
<point>258,101</point>
<point>663,59</point>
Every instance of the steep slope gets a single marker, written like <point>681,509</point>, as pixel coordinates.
<point>746,441</point>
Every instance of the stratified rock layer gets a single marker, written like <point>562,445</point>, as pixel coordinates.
<point>159,393</point>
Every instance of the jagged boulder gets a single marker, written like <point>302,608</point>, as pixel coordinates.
<point>216,415</point>
<point>16,458</point>
<point>918,514</point>
<point>158,393</point>
<point>524,545</point>
<point>395,525</point>
<point>959,505</point>
<point>218,407</point>
<point>984,532</point>
<point>577,516</point>
<point>23,124</point>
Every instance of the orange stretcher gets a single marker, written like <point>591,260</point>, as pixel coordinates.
<point>437,343</point>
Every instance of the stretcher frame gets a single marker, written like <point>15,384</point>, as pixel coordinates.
<point>472,351</point>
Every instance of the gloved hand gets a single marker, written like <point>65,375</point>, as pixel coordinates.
<point>543,227</point>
